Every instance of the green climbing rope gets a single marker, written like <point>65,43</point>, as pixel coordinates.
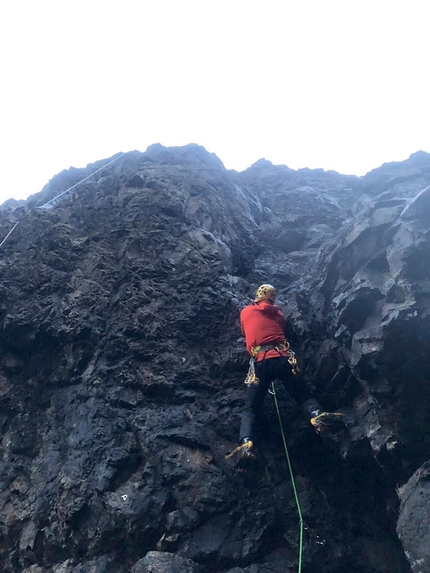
<point>293,483</point>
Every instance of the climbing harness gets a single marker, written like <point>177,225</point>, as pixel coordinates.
<point>251,377</point>
<point>293,483</point>
<point>57,196</point>
<point>280,346</point>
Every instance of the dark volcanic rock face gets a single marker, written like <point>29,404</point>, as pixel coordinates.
<point>413,525</point>
<point>122,367</point>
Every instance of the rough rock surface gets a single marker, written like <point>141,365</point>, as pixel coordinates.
<point>413,526</point>
<point>122,367</point>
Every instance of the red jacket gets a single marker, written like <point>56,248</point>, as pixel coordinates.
<point>263,323</point>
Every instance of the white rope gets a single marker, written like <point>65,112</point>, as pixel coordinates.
<point>10,233</point>
<point>66,191</point>
<point>79,182</point>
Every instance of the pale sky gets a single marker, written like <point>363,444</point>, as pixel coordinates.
<point>332,84</point>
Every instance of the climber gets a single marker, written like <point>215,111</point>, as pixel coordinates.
<point>271,358</point>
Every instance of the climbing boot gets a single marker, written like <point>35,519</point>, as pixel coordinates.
<point>246,454</point>
<point>246,449</point>
<point>327,422</point>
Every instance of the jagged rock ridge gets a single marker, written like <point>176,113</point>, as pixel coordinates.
<point>121,367</point>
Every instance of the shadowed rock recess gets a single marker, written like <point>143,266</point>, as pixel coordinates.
<point>122,368</point>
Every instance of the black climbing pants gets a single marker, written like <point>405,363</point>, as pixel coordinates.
<point>266,371</point>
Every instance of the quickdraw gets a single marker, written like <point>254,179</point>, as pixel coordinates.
<point>292,361</point>
<point>251,377</point>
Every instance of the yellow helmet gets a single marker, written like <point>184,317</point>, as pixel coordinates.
<point>265,292</point>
